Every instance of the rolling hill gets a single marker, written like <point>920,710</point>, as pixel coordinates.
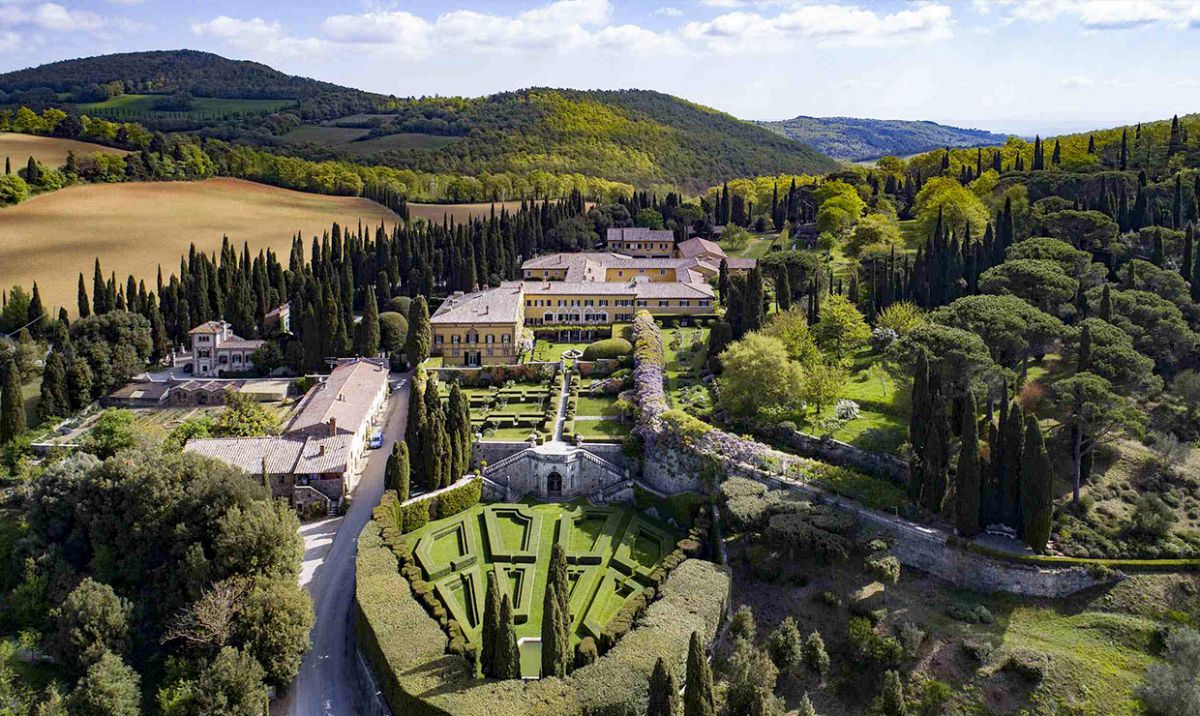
<point>854,139</point>
<point>647,139</point>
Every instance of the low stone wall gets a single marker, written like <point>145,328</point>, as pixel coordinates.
<point>929,550</point>
<point>494,451</point>
<point>836,452</point>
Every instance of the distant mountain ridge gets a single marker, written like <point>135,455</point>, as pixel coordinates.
<point>202,74</point>
<point>854,139</point>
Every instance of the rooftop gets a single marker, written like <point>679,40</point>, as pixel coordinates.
<point>346,396</point>
<point>496,305</point>
<point>279,454</point>
<point>210,327</point>
<point>640,233</point>
<point>700,247</point>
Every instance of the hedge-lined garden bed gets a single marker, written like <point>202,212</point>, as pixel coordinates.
<point>408,650</point>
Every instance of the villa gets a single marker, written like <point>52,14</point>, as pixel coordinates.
<point>217,350</point>
<point>641,242</point>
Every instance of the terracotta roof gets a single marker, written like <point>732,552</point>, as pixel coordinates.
<point>583,288</point>
<point>284,454</point>
<point>741,264</point>
<point>235,343</point>
<point>640,233</point>
<point>209,327</point>
<point>142,391</point>
<point>700,247</point>
<point>495,305</point>
<point>346,396</point>
<point>673,289</point>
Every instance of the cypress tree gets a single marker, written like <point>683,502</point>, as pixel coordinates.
<point>1195,282</point>
<point>664,692</point>
<point>723,282</point>
<point>417,421</point>
<point>918,425</point>
<point>1085,349</point>
<point>1159,256</point>
<point>416,347</point>
<point>1036,487</point>
<point>391,471</point>
<point>890,701</point>
<point>1185,266</point>
<point>100,303</point>
<point>81,299</point>
<point>783,290</point>
<point>1106,307</point>
<point>432,439</point>
<point>1056,157</point>
<point>12,406</point>
<point>556,618</point>
<point>367,336</point>
<point>1014,433</point>
<point>968,489</point>
<point>403,474</point>
<point>1124,149</point>
<point>1091,144</point>
<point>698,689</point>
<point>35,315</point>
<point>491,628</point>
<point>54,402</point>
<point>508,654</point>
<point>935,463</point>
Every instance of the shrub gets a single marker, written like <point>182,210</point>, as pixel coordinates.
<point>460,498</point>
<point>1170,688</point>
<point>885,651</point>
<point>608,348</point>
<point>586,652</point>
<point>784,646</point>
<point>742,626</point>
<point>1028,665</point>
<point>416,515</point>
<point>980,651</point>
<point>816,659</point>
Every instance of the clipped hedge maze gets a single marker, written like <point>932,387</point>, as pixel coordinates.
<point>613,554</point>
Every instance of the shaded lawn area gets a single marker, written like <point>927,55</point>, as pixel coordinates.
<point>881,426</point>
<point>31,395</point>
<point>684,366</point>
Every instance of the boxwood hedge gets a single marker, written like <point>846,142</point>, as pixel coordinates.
<point>409,651</point>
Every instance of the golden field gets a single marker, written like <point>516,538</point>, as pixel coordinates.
<point>136,227</point>
<point>50,151</point>
<point>435,213</point>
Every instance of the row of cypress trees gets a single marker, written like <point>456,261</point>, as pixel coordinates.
<point>438,436</point>
<point>1013,486</point>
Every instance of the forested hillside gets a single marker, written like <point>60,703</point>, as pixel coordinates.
<point>855,139</point>
<point>646,139</point>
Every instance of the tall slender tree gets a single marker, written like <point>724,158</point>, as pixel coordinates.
<point>508,654</point>
<point>698,689</point>
<point>664,692</point>
<point>1037,487</point>
<point>968,487</point>
<point>12,405</point>
<point>417,344</point>
<point>490,632</point>
<point>366,341</point>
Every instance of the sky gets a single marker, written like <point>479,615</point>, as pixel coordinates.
<point>1007,65</point>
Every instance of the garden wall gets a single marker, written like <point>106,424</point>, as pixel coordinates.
<point>843,454</point>
<point>406,647</point>
<point>496,450</point>
<point>497,374</point>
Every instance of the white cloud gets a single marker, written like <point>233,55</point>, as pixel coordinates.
<point>378,27</point>
<point>824,24</point>
<point>667,12</point>
<point>257,36</point>
<point>1106,14</point>
<point>49,16</point>
<point>1083,82</point>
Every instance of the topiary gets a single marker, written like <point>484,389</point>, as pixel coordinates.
<point>608,348</point>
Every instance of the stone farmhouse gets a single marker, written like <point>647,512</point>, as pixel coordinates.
<point>322,450</point>
<point>216,350</point>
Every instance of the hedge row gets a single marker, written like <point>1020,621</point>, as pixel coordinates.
<point>1040,560</point>
<point>407,649</point>
<point>404,518</point>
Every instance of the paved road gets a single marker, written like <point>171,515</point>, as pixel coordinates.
<point>325,684</point>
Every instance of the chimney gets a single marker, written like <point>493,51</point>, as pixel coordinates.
<point>332,431</point>
<point>321,450</point>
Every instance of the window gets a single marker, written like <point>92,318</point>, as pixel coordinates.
<point>662,272</point>
<point>685,303</point>
<point>489,339</point>
<point>456,339</point>
<point>439,339</point>
<point>237,358</point>
<point>641,303</point>
<point>529,304</point>
<point>506,338</point>
<point>664,304</point>
<point>204,339</point>
<point>705,302</point>
<point>604,302</point>
<point>472,337</point>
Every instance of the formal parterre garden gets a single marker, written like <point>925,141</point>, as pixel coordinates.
<point>612,553</point>
<point>513,410</point>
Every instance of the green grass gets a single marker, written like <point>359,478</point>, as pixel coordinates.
<point>584,534</point>
<point>549,351</point>
<point>200,105</point>
<point>601,429</point>
<point>31,395</point>
<point>757,247</point>
<point>596,405</point>
<point>684,366</point>
<point>1096,659</point>
<point>881,426</point>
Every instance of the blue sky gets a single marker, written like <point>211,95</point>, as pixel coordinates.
<point>1018,65</point>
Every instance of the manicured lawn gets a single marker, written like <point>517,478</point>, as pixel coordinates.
<point>31,395</point>
<point>601,428</point>
<point>596,405</point>
<point>549,351</point>
<point>881,426</point>
<point>456,554</point>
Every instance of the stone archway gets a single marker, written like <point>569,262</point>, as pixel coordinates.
<point>554,483</point>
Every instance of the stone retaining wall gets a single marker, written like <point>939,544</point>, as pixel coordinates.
<point>494,451</point>
<point>843,454</point>
<point>929,550</point>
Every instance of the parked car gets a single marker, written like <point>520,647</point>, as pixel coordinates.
<point>376,440</point>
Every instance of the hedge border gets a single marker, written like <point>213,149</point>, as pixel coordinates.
<point>1043,560</point>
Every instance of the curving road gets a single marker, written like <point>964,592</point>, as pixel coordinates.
<point>326,682</point>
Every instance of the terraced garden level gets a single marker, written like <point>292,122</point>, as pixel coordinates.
<point>611,552</point>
